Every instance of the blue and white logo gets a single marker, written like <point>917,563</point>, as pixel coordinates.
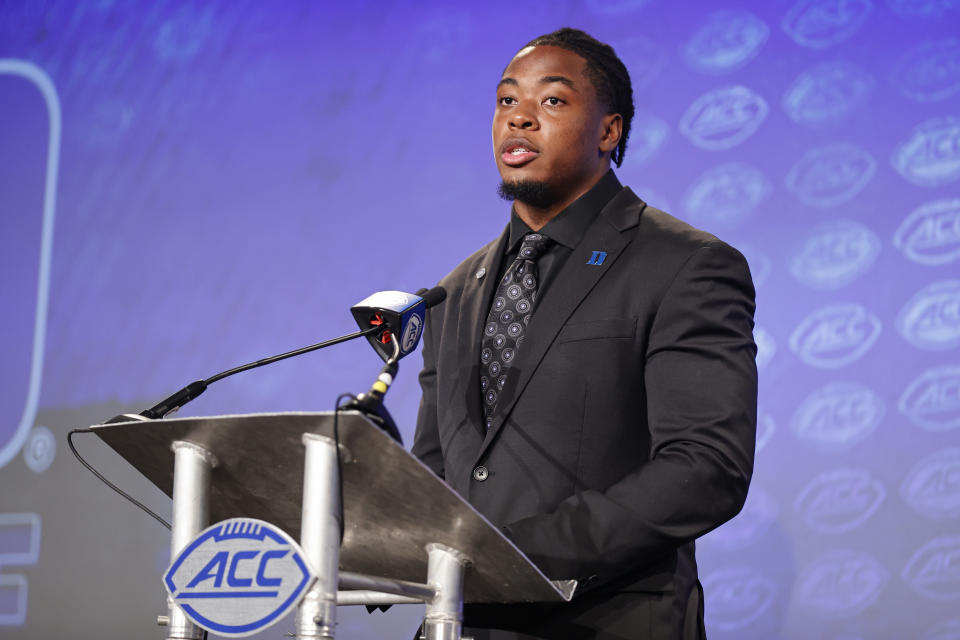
<point>840,500</point>
<point>647,135</point>
<point>840,584</point>
<point>827,93</point>
<point>766,347</point>
<point>835,336</point>
<point>930,71</point>
<point>759,513</point>
<point>949,630</point>
<point>411,334</point>
<point>933,570</point>
<point>931,319</point>
<point>738,597</point>
<point>766,427</point>
<point>239,576</point>
<point>932,401</point>
<point>831,175</point>
<point>838,416</point>
<point>616,7</point>
<point>932,488</point>
<point>922,8</point>
<point>931,155</point>
<point>727,41</point>
<point>723,118</point>
<point>835,254</point>
<point>931,233</point>
<point>727,194</point>
<point>818,24</point>
<point>760,264</point>
<point>645,59</point>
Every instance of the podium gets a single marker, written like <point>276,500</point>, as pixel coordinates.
<point>407,537</point>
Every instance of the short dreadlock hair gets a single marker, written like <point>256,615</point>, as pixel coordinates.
<point>605,70</point>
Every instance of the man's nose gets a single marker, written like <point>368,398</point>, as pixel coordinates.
<point>521,119</point>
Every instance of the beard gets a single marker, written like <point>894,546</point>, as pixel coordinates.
<point>535,193</point>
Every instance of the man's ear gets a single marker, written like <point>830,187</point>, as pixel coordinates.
<point>611,132</point>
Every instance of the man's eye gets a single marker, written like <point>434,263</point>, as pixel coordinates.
<point>553,102</point>
<point>506,100</point>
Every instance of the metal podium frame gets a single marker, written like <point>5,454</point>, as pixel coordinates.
<point>402,524</point>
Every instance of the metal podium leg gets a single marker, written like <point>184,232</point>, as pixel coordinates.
<point>320,537</point>
<point>444,616</point>
<point>191,513</point>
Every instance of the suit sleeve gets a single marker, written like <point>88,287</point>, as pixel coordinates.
<point>426,440</point>
<point>701,392</point>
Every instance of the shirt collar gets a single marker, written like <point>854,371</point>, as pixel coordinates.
<point>570,224</point>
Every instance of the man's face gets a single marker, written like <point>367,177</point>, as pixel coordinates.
<point>549,126</point>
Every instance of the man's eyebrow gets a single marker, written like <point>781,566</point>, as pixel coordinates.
<point>560,79</point>
<point>544,80</point>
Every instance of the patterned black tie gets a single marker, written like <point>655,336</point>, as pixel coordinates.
<point>507,321</point>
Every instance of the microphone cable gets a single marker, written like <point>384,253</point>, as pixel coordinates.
<point>99,475</point>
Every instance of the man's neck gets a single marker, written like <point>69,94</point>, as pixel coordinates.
<point>536,217</point>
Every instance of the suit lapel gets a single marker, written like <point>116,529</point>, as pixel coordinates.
<point>477,293</point>
<point>571,285</point>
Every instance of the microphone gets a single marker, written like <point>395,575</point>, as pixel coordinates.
<point>394,322</point>
<point>399,314</point>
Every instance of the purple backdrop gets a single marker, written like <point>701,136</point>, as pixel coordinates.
<point>188,186</point>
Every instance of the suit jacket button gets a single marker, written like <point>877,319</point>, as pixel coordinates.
<point>480,473</point>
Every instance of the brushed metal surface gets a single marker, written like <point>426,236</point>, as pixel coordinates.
<point>394,505</point>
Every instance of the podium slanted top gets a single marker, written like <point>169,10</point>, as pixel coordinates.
<point>393,504</point>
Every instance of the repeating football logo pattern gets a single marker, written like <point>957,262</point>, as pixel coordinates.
<point>821,138</point>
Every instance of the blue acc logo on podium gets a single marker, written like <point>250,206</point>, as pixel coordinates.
<point>239,577</point>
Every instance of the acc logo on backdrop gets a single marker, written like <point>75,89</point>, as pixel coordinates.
<point>931,233</point>
<point>723,118</point>
<point>930,71</point>
<point>835,254</point>
<point>827,92</point>
<point>931,319</point>
<point>933,570</point>
<point>949,630</point>
<point>727,194</point>
<point>839,500</point>
<point>238,577</point>
<point>759,512</point>
<point>835,336</point>
<point>766,347</point>
<point>831,175</point>
<point>760,264</point>
<point>931,155</point>
<point>738,596</point>
<point>645,59</point>
<point>922,8</point>
<point>932,401</point>
<point>765,429</point>
<point>821,23</point>
<point>932,488</point>
<point>726,42</point>
<point>840,584</point>
<point>837,416</point>
<point>647,135</point>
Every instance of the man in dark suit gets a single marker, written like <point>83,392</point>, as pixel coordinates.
<point>589,384</point>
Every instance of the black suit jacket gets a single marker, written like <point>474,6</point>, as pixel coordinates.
<point>632,427</point>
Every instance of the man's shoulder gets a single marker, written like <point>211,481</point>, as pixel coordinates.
<point>469,267</point>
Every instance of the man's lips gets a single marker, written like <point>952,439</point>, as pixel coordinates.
<point>515,152</point>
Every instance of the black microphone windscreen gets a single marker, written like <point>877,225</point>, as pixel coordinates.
<point>432,297</point>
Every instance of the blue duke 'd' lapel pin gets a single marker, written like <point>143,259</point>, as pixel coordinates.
<point>597,258</point>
